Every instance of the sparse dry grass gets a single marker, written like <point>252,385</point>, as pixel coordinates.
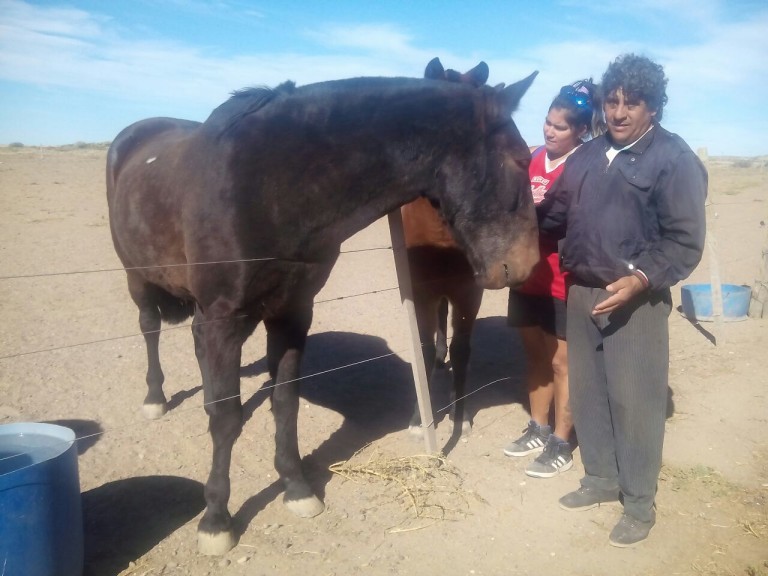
<point>429,487</point>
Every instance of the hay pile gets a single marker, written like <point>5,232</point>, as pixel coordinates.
<point>428,488</point>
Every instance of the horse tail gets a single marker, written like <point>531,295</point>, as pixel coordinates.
<point>172,309</point>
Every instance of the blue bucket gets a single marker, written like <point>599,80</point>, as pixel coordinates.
<point>41,517</point>
<point>697,302</point>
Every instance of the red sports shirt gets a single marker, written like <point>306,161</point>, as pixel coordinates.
<point>546,278</point>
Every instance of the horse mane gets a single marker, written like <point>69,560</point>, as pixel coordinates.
<point>244,102</point>
<point>410,98</point>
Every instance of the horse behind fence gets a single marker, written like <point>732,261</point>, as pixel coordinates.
<point>265,191</point>
<point>442,275</point>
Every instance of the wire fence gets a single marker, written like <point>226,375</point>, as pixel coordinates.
<point>678,351</point>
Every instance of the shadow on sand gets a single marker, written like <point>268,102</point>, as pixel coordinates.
<point>125,519</point>
<point>373,392</point>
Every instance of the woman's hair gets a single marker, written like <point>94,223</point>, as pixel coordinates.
<point>639,79</point>
<point>582,104</point>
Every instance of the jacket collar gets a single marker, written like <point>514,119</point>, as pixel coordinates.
<point>641,144</point>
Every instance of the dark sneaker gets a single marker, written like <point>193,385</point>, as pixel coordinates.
<point>557,457</point>
<point>585,498</point>
<point>534,439</point>
<point>630,532</point>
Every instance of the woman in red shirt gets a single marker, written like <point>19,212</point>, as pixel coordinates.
<point>537,309</point>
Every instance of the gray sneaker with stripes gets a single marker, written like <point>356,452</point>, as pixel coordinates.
<point>557,457</point>
<point>534,439</point>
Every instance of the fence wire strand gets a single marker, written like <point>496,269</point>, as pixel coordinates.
<point>267,386</point>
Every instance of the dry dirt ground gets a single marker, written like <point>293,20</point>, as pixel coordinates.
<point>70,353</point>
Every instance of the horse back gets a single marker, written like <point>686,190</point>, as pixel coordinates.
<point>136,136</point>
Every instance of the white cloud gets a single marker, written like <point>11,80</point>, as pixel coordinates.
<point>721,62</point>
<point>50,20</point>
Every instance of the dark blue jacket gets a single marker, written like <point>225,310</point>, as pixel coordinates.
<point>645,210</point>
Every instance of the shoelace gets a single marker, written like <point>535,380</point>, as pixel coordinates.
<point>551,450</point>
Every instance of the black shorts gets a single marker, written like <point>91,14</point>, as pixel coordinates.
<point>547,312</point>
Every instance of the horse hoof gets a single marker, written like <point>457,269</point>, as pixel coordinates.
<point>215,544</point>
<point>305,507</point>
<point>154,411</point>
<point>466,427</point>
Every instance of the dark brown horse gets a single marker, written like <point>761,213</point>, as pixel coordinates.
<point>240,219</point>
<point>441,274</point>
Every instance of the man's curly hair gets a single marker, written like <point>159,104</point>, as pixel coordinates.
<point>639,79</point>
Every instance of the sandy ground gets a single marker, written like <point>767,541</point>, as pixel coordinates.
<point>70,353</point>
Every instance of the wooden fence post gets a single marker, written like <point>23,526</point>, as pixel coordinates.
<point>714,263</point>
<point>417,356</point>
<point>758,304</point>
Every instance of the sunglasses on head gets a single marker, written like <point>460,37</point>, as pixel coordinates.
<point>578,94</point>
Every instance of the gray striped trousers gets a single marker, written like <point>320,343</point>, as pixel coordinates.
<point>618,367</point>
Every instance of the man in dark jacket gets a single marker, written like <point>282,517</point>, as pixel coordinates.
<point>631,207</point>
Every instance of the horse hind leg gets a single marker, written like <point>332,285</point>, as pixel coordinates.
<point>441,339</point>
<point>155,404</point>
<point>146,298</point>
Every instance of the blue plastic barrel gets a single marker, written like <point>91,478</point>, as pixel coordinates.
<point>41,517</point>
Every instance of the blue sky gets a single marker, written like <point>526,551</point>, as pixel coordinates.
<point>81,70</point>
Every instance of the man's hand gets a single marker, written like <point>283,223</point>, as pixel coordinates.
<point>623,290</point>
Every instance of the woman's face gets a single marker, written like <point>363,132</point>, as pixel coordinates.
<point>559,137</point>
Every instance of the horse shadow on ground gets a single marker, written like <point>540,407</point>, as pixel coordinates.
<point>358,377</point>
<point>375,394</point>
<point>125,519</point>
<point>87,432</point>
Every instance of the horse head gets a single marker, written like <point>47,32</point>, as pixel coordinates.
<point>496,225</point>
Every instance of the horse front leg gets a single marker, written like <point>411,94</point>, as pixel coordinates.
<point>460,349</point>
<point>286,338</point>
<point>465,309</point>
<point>218,346</point>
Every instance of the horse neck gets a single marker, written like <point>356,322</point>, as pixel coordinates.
<point>337,156</point>
<point>384,147</point>
<point>423,226</point>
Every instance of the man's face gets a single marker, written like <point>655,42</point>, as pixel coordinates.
<point>627,119</point>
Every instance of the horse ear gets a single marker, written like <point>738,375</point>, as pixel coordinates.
<point>479,74</point>
<point>512,94</point>
<point>434,70</point>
